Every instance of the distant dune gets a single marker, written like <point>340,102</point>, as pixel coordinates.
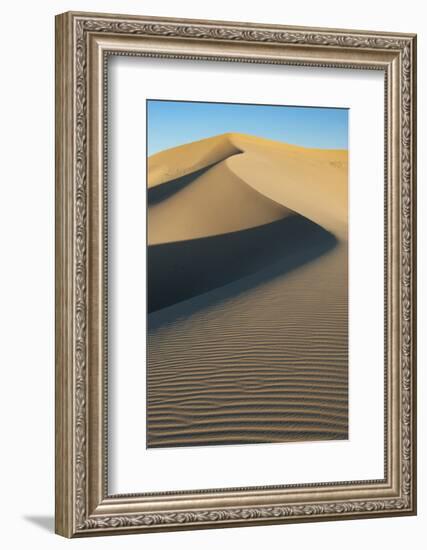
<point>236,226</point>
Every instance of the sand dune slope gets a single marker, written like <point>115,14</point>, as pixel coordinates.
<point>185,159</point>
<point>258,362</point>
<point>312,182</point>
<point>180,270</point>
<point>217,202</point>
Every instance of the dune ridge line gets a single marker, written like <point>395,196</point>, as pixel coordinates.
<point>211,200</point>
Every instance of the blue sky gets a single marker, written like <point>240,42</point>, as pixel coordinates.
<point>172,123</point>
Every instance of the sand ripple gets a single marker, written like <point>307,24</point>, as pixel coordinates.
<point>266,365</point>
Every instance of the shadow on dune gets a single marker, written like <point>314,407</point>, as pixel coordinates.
<point>181,270</point>
<point>165,190</point>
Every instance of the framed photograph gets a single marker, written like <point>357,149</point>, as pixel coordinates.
<point>235,274</point>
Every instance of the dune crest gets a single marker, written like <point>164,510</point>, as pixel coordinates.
<point>184,159</point>
<point>243,181</point>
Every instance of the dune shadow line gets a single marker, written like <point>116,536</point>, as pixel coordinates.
<point>181,270</point>
<point>165,190</point>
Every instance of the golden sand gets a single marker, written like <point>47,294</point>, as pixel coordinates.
<point>246,171</point>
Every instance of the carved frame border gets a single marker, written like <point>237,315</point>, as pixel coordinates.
<point>83,42</point>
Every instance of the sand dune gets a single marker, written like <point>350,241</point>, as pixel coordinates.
<point>247,293</point>
<point>180,270</point>
<point>241,173</point>
<point>216,202</point>
<point>311,182</point>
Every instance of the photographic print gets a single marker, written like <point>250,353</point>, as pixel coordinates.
<point>247,273</point>
<point>204,172</point>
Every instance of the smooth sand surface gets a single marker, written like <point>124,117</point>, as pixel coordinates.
<point>247,293</point>
<point>215,203</point>
<point>185,159</point>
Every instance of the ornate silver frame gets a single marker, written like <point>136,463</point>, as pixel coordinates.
<point>83,42</point>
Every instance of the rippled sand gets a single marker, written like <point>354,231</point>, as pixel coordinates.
<point>267,364</point>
